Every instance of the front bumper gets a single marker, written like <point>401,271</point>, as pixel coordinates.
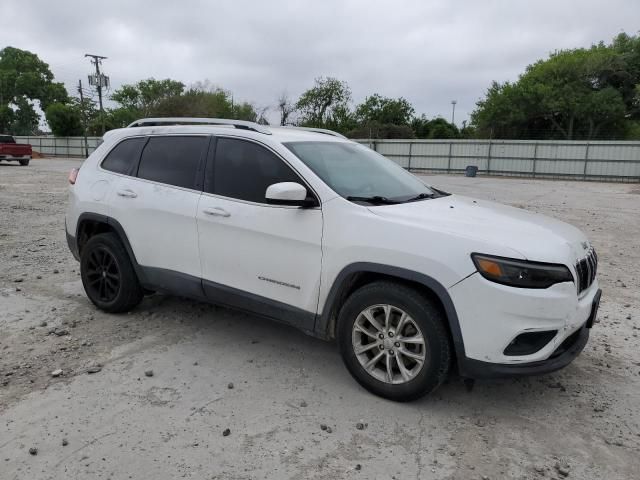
<point>491,316</point>
<point>563,356</point>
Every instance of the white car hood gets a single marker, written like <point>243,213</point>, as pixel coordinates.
<point>536,237</point>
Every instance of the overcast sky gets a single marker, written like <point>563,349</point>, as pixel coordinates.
<point>429,52</point>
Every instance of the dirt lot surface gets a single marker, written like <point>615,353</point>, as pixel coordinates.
<point>175,374</point>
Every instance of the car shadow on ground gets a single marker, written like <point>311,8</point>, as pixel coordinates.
<point>283,346</point>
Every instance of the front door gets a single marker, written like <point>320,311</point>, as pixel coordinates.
<point>261,257</point>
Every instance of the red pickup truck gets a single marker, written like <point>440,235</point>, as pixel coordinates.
<point>10,150</point>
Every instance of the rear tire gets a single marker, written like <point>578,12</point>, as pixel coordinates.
<point>108,276</point>
<point>24,163</point>
<point>401,327</point>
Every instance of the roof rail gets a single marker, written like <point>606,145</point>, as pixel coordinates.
<point>241,124</point>
<point>317,130</point>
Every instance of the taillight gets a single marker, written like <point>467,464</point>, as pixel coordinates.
<point>73,174</point>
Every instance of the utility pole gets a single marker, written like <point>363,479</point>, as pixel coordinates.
<point>84,118</point>
<point>100,81</point>
<point>453,112</point>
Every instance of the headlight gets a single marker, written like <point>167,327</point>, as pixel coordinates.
<point>520,273</point>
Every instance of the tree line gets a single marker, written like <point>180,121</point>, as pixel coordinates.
<point>578,94</point>
<point>584,93</point>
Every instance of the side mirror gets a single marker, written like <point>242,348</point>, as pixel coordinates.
<point>288,193</point>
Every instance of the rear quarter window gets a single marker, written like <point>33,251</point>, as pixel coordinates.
<point>123,158</point>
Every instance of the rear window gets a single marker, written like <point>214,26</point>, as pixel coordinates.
<point>173,160</point>
<point>124,156</point>
<point>7,139</point>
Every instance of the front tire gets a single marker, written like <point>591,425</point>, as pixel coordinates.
<point>108,276</point>
<point>393,341</point>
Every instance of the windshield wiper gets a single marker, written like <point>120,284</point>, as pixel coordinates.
<point>441,193</point>
<point>375,199</point>
<point>421,196</point>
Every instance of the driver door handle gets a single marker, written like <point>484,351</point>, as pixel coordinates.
<point>127,193</point>
<point>216,211</point>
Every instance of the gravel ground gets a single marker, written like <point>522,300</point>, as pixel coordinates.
<point>182,389</point>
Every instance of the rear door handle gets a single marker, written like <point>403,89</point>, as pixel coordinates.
<point>127,193</point>
<point>216,211</point>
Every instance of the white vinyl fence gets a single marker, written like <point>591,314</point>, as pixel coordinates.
<point>601,160</point>
<point>580,160</point>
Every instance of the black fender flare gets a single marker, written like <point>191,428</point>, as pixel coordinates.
<point>115,225</point>
<point>322,324</point>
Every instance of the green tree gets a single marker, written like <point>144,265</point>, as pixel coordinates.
<point>169,98</point>
<point>441,128</point>
<point>25,81</point>
<point>64,120</point>
<point>633,131</point>
<point>326,104</point>
<point>113,118</point>
<point>88,110</point>
<point>502,113</point>
<point>198,102</point>
<point>573,94</point>
<point>467,131</point>
<point>147,95</point>
<point>435,128</point>
<point>627,79</point>
<point>384,110</point>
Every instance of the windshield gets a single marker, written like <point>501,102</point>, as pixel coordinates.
<point>360,174</point>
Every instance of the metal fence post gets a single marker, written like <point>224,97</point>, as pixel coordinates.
<point>489,158</point>
<point>410,150</point>
<point>586,161</point>
<point>535,157</point>
<point>449,157</point>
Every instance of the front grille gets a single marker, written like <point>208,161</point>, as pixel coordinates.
<point>586,270</point>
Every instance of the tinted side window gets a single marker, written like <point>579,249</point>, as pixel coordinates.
<point>124,156</point>
<point>172,160</point>
<point>244,170</point>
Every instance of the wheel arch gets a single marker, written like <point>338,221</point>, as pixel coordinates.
<point>90,224</point>
<point>359,274</point>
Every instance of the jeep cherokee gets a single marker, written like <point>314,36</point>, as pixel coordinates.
<point>308,228</point>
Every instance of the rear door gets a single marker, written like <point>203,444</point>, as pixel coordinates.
<point>156,204</point>
<point>256,255</point>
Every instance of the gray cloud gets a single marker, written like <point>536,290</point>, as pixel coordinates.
<point>429,52</point>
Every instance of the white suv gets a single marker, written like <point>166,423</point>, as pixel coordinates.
<point>308,228</point>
